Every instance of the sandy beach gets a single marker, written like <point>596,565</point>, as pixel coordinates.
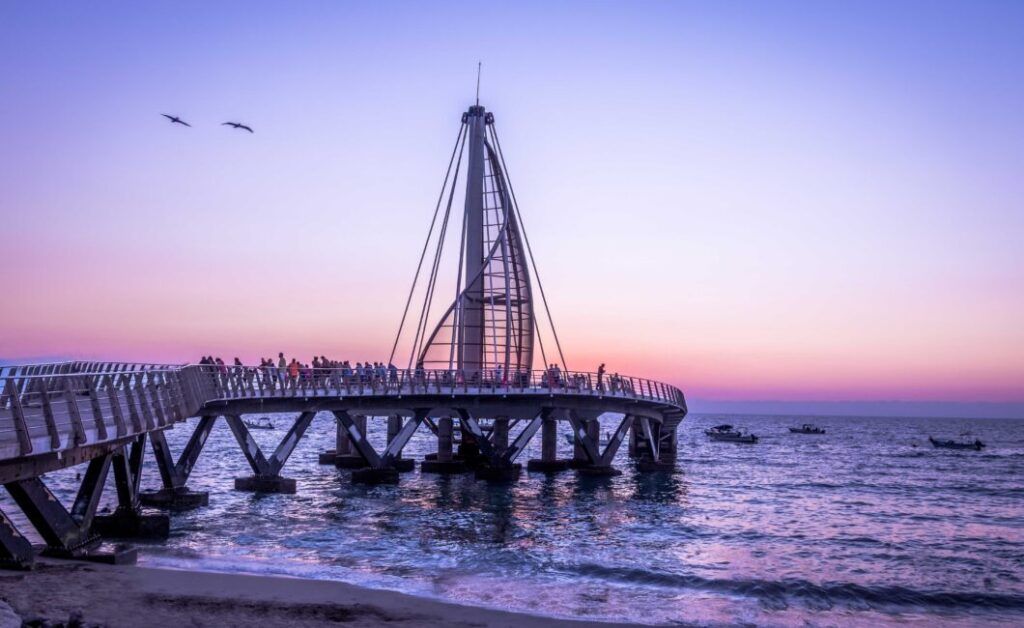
<point>131,596</point>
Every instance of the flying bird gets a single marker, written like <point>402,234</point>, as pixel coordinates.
<point>176,120</point>
<point>237,125</point>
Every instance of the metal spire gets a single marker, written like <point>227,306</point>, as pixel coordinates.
<point>479,64</point>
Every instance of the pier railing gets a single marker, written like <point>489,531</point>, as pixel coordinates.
<point>53,407</point>
<point>240,382</point>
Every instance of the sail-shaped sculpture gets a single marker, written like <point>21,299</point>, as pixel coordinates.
<point>488,329</point>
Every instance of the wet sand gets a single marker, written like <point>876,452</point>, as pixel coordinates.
<point>131,596</point>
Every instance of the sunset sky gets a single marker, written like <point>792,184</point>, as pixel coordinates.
<point>798,201</point>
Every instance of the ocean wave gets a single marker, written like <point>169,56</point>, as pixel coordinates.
<point>778,594</point>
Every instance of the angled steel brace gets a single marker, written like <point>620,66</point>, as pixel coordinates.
<point>175,475</point>
<point>358,440</point>
<point>127,463</point>
<point>62,530</point>
<point>252,451</point>
<point>88,498</point>
<point>473,427</point>
<point>579,432</point>
<point>15,549</point>
<point>262,466</point>
<point>521,441</point>
<point>652,442</point>
<point>394,448</point>
<point>613,445</point>
<point>291,439</point>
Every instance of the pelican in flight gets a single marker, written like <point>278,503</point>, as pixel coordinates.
<point>176,120</point>
<point>237,125</point>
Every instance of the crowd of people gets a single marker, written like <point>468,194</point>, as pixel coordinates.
<point>322,371</point>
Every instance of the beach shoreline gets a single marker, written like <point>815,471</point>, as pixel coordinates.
<point>122,595</point>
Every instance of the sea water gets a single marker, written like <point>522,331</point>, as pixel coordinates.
<point>865,524</point>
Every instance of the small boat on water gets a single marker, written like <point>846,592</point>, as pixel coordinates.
<point>977,445</point>
<point>572,441</point>
<point>807,428</point>
<point>262,423</point>
<point>726,433</point>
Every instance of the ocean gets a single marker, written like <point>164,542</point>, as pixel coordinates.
<point>866,524</point>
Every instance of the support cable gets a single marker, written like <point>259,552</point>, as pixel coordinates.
<point>529,249</point>
<point>428,299</point>
<point>533,313</point>
<point>423,254</point>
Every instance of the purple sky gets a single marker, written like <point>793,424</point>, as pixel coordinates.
<point>752,201</point>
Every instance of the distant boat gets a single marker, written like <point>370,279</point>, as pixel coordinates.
<point>726,433</point>
<point>262,423</point>
<point>572,441</point>
<point>977,445</point>
<point>807,428</point>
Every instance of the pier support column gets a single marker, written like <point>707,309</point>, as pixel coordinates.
<point>15,550</point>
<point>175,494</point>
<point>128,521</point>
<point>266,476</point>
<point>341,445</point>
<point>445,461</point>
<point>350,459</point>
<point>394,428</point>
<point>652,457</point>
<point>499,467</point>
<point>548,462</point>
<point>601,468</point>
<point>67,533</point>
<point>500,435</point>
<point>579,451</point>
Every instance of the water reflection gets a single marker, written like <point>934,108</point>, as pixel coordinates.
<point>862,525</point>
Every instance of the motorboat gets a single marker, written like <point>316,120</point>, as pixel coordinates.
<point>726,433</point>
<point>262,423</point>
<point>977,445</point>
<point>807,428</point>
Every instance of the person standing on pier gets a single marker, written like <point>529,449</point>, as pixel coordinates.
<point>600,378</point>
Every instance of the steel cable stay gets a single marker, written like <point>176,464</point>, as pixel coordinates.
<point>426,244</point>
<point>429,295</point>
<point>529,249</point>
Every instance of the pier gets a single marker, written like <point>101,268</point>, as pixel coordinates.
<point>469,380</point>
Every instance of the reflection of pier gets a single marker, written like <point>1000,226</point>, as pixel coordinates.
<point>469,380</point>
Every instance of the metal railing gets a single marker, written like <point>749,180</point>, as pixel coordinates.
<point>45,408</point>
<point>53,407</point>
<point>240,382</point>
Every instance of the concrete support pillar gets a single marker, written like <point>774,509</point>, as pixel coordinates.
<point>444,461</point>
<point>500,438</point>
<point>394,427</point>
<point>351,459</point>
<point>444,439</point>
<point>343,446</point>
<point>594,432</point>
<point>549,440</point>
<point>548,461</point>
